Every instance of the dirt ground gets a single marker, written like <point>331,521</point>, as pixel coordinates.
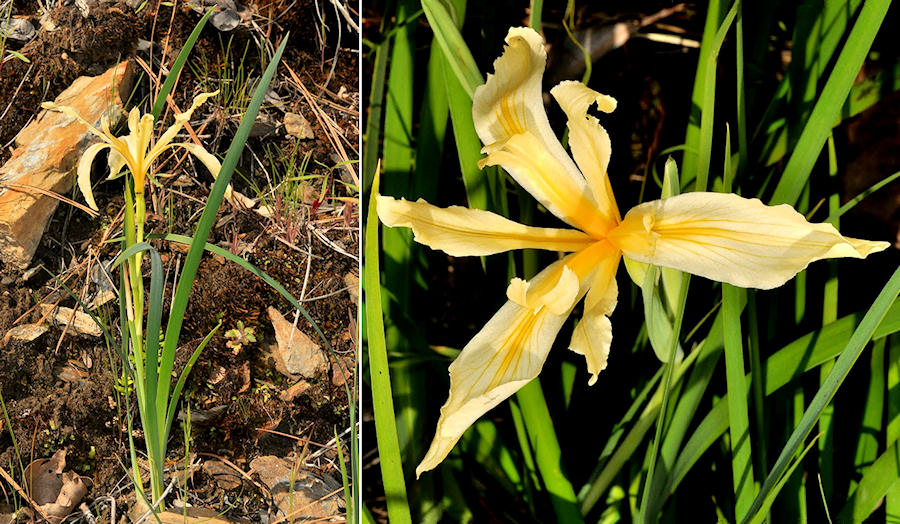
<point>60,391</point>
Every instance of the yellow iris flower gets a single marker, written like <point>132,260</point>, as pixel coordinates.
<point>719,236</point>
<point>137,149</point>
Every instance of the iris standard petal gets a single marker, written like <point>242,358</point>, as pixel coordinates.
<point>511,105</point>
<point>590,142</point>
<point>731,239</point>
<point>460,231</point>
<point>504,356</point>
<point>525,158</point>
<point>83,173</point>
<point>134,118</point>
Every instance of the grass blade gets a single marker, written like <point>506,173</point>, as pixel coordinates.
<point>454,47</point>
<point>739,420</point>
<point>172,77</point>
<point>207,219</point>
<point>879,478</point>
<point>382,398</point>
<point>851,352</point>
<point>830,102</point>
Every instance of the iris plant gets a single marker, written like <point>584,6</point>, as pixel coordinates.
<point>719,236</point>
<point>151,369</point>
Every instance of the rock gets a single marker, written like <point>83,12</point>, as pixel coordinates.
<point>102,297</point>
<point>47,152</point>
<point>225,20</point>
<point>310,497</point>
<point>26,332</point>
<point>47,24</point>
<point>204,416</point>
<point>296,125</point>
<point>273,99</point>
<point>17,29</point>
<point>77,321</point>
<point>224,476</point>
<point>264,125</point>
<point>296,353</point>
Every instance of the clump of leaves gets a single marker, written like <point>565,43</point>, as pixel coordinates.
<point>239,337</point>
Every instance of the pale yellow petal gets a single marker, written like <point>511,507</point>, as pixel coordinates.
<point>525,158</point>
<point>134,118</point>
<point>116,162</point>
<point>504,356</point>
<point>83,173</point>
<point>461,231</point>
<point>563,283</point>
<point>592,338</point>
<point>145,132</point>
<point>510,104</point>
<point>593,334</point>
<point>589,142</point>
<point>731,239</point>
<point>213,165</point>
<point>174,129</point>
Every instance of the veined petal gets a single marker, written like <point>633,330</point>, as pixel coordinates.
<point>83,174</point>
<point>593,334</point>
<point>563,283</point>
<point>174,129</point>
<point>536,170</point>
<point>589,142</point>
<point>460,231</point>
<point>504,356</point>
<point>510,104</point>
<point>731,239</point>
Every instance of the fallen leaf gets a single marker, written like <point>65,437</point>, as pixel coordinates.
<point>55,492</point>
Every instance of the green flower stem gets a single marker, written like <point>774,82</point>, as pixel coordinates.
<point>547,453</point>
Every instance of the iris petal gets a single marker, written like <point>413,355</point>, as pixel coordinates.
<point>509,116</point>
<point>460,231</point>
<point>731,239</point>
<point>83,173</point>
<point>505,355</point>
<point>589,142</point>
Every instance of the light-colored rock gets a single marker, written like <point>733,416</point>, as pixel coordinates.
<point>310,496</point>
<point>77,321</point>
<point>17,29</point>
<point>224,476</point>
<point>296,353</point>
<point>225,20</point>
<point>296,125</point>
<point>47,151</point>
<point>26,332</point>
